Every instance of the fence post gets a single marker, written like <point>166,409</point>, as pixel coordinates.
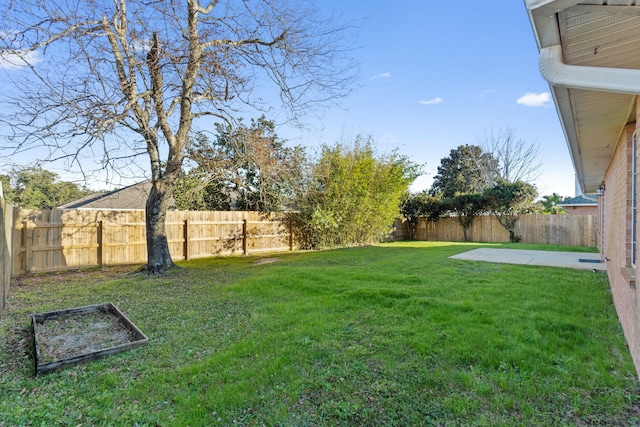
<point>101,251</point>
<point>6,241</point>
<point>28,227</point>
<point>291,234</point>
<point>245,243</point>
<point>185,233</point>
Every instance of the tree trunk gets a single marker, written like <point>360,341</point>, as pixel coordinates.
<point>509,223</point>
<point>465,223</point>
<point>411,229</point>
<point>464,232</point>
<point>158,255</point>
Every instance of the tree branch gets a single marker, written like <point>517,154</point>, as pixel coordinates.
<point>239,43</point>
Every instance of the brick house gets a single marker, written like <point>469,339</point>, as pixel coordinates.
<point>583,204</point>
<point>590,56</point>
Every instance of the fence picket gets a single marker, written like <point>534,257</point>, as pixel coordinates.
<point>563,230</point>
<point>66,239</point>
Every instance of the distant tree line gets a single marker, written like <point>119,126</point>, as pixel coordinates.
<point>36,188</point>
<point>472,182</point>
<point>349,195</point>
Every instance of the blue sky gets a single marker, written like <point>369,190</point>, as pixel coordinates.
<point>436,75</point>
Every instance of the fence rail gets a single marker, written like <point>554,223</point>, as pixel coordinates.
<point>53,240</point>
<point>56,240</point>
<point>563,230</point>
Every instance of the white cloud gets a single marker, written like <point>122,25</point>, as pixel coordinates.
<point>13,57</point>
<point>386,75</point>
<point>433,101</point>
<point>485,93</point>
<point>18,59</point>
<point>141,46</point>
<point>531,99</point>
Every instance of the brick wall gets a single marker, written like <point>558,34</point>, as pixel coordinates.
<point>581,210</point>
<point>616,240</point>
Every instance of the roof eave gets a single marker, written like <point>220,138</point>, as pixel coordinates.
<point>563,78</point>
<point>544,23</point>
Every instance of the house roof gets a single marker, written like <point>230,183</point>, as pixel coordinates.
<point>82,201</point>
<point>590,56</point>
<point>581,200</point>
<point>131,197</point>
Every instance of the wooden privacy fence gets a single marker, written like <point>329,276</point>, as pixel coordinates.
<point>70,239</point>
<point>6,221</point>
<point>564,230</point>
<point>53,240</point>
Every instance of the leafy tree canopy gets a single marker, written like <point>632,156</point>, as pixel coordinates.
<point>197,191</point>
<point>550,204</point>
<point>36,188</point>
<point>7,190</point>
<point>466,207</point>
<point>248,167</point>
<point>467,169</point>
<point>421,205</point>
<point>508,200</point>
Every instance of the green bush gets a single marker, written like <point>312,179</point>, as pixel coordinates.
<point>352,196</point>
<point>421,205</point>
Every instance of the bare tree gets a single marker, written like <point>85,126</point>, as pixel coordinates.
<point>519,160</point>
<point>119,79</point>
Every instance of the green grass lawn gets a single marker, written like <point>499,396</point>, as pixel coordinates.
<point>396,334</point>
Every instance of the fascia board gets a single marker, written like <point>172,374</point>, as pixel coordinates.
<point>562,101</point>
<point>544,20</point>
<point>545,6</point>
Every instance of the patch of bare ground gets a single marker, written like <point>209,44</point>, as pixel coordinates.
<point>74,335</point>
<point>84,275</point>
<point>266,261</point>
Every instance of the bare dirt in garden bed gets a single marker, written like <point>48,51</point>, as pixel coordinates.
<point>74,335</point>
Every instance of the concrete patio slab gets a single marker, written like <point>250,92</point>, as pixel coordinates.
<point>578,260</point>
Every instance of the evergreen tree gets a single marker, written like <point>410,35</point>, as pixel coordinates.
<point>508,200</point>
<point>468,169</point>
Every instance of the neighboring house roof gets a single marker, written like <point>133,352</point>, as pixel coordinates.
<point>131,197</point>
<point>79,202</point>
<point>590,56</point>
<point>581,200</point>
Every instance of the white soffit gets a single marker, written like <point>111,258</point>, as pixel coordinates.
<point>599,44</point>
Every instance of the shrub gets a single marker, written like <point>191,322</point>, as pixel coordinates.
<point>353,195</point>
